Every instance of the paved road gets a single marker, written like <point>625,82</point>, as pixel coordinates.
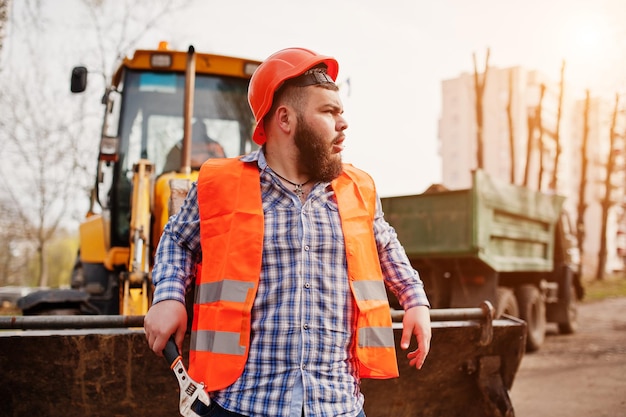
<point>579,375</point>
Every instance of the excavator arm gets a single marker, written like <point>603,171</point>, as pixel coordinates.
<point>135,289</point>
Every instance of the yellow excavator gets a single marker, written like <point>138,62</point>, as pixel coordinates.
<point>165,112</point>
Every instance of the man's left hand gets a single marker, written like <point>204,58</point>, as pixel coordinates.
<point>416,322</point>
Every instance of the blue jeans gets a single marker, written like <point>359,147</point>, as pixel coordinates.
<point>216,411</point>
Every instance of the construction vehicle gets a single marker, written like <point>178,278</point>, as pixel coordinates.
<point>156,99</point>
<point>94,360</point>
<point>495,241</point>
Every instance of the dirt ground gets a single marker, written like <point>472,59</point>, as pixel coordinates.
<point>578,375</point>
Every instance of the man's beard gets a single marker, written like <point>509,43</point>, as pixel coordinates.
<point>315,153</point>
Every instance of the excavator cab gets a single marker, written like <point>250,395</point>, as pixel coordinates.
<point>158,104</point>
<point>151,126</point>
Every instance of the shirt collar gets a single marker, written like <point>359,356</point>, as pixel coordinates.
<point>256,156</point>
<point>259,157</point>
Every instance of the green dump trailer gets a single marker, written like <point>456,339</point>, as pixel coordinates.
<point>494,241</point>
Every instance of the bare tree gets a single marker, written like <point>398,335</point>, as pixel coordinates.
<point>557,133</point>
<point>41,158</point>
<point>4,17</point>
<point>49,138</point>
<point>535,139</point>
<point>540,132</point>
<point>537,134</point>
<point>479,87</point>
<point>117,26</point>
<point>509,118</point>
<point>14,249</point>
<point>584,166</point>
<point>608,200</point>
<point>530,144</point>
<point>30,126</point>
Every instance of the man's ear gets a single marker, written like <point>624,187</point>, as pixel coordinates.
<point>285,118</point>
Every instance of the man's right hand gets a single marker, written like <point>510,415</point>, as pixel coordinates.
<point>164,319</point>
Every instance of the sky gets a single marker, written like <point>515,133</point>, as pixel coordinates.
<point>396,53</point>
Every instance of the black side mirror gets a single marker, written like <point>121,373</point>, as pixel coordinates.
<point>79,79</point>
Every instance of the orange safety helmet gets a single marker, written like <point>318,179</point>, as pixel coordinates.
<point>273,72</point>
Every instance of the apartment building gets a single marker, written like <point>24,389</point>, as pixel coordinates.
<point>524,105</point>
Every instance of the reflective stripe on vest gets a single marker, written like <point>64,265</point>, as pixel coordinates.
<point>219,341</point>
<point>232,246</point>
<point>365,291</point>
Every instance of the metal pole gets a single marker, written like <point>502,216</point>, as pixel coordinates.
<point>69,322</point>
<point>453,314</point>
<point>484,314</point>
<point>190,82</point>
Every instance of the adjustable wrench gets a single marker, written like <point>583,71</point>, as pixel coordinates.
<point>194,400</point>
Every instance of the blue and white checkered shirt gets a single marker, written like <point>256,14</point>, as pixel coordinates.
<point>303,319</point>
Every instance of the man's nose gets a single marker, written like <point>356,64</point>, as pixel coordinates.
<point>342,123</point>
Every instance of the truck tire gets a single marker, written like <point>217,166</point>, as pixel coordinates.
<point>506,303</point>
<point>533,311</point>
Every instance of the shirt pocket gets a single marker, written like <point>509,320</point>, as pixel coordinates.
<point>281,228</point>
<point>332,221</point>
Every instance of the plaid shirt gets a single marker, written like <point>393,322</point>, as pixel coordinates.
<point>303,318</point>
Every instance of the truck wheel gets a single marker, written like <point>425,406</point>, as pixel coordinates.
<point>506,303</point>
<point>571,324</point>
<point>533,311</point>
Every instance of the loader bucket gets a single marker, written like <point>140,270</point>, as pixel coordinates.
<point>85,372</point>
<point>98,371</point>
<point>468,372</point>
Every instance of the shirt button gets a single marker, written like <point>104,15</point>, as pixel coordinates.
<point>303,367</point>
<point>307,285</point>
<point>305,326</point>
<point>306,247</point>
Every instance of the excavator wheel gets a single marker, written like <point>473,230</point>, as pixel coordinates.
<point>533,311</point>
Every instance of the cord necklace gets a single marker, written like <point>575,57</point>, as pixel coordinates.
<point>297,187</point>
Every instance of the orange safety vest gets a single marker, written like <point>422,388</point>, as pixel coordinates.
<point>232,246</point>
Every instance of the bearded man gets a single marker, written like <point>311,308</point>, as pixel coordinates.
<point>290,306</point>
